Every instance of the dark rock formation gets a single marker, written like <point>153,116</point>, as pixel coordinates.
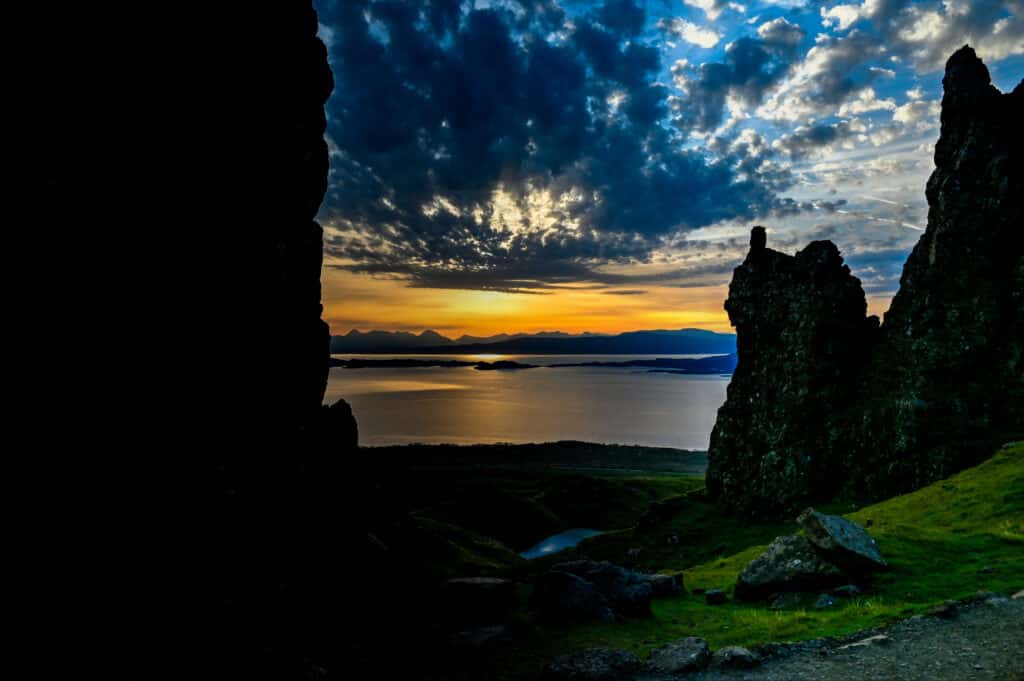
<point>834,551</point>
<point>563,597</point>
<point>340,430</point>
<point>823,403</point>
<point>735,657</point>
<point>842,541</point>
<point>946,383</point>
<point>802,336</point>
<point>679,657</point>
<point>626,591</point>
<point>789,563</point>
<point>177,165</point>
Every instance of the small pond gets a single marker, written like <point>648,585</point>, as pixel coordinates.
<point>558,542</point>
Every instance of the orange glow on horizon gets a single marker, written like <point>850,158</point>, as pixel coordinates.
<point>353,301</point>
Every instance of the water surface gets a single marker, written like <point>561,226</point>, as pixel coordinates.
<point>466,406</point>
<point>558,542</point>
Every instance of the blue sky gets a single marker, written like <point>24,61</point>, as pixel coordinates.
<point>551,148</point>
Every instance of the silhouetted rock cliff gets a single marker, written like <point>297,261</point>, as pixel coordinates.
<point>824,403</point>
<point>947,380</point>
<point>802,338</point>
<point>178,162</point>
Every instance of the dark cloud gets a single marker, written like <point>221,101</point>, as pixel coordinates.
<point>626,292</point>
<point>807,140</point>
<point>438,109</point>
<point>624,16</point>
<point>752,66</point>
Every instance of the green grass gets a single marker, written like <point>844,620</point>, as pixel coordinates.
<point>947,540</point>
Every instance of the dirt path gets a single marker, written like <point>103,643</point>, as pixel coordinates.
<point>984,641</point>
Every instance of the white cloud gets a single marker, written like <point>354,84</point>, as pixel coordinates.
<point>691,33</point>
<point>781,32</point>
<point>821,83</point>
<point>930,31</point>
<point>917,112</point>
<point>679,76</point>
<point>840,16</point>
<point>866,101</point>
<point>712,8</point>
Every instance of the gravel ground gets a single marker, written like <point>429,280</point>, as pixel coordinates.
<point>984,641</point>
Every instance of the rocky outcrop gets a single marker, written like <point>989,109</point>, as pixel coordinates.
<point>339,428</point>
<point>946,383</point>
<point>598,590</point>
<point>834,552</point>
<point>802,338</point>
<point>563,597</point>
<point>588,589</point>
<point>789,563</point>
<point>679,657</point>
<point>843,541</point>
<point>735,657</point>
<point>823,402</point>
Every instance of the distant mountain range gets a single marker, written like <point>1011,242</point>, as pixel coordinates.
<point>669,342</point>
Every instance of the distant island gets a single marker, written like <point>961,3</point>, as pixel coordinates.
<point>716,364</point>
<point>664,342</point>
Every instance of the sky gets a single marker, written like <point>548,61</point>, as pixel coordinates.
<point>536,165</point>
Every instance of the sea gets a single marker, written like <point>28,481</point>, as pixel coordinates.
<point>620,405</point>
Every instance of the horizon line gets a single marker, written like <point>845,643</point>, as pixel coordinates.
<point>528,333</point>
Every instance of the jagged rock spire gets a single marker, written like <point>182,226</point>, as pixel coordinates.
<point>822,402</point>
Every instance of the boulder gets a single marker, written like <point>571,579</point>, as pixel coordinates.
<point>679,657</point>
<point>790,563</point>
<point>715,597</point>
<point>595,664</point>
<point>564,597</point>
<point>842,541</point>
<point>735,657</point>
<point>665,585</point>
<point>628,592</point>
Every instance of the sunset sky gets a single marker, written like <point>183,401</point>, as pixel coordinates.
<point>503,166</point>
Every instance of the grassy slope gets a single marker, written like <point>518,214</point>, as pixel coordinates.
<point>947,540</point>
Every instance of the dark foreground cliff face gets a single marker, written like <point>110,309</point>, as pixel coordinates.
<point>174,501</point>
<point>823,403</point>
